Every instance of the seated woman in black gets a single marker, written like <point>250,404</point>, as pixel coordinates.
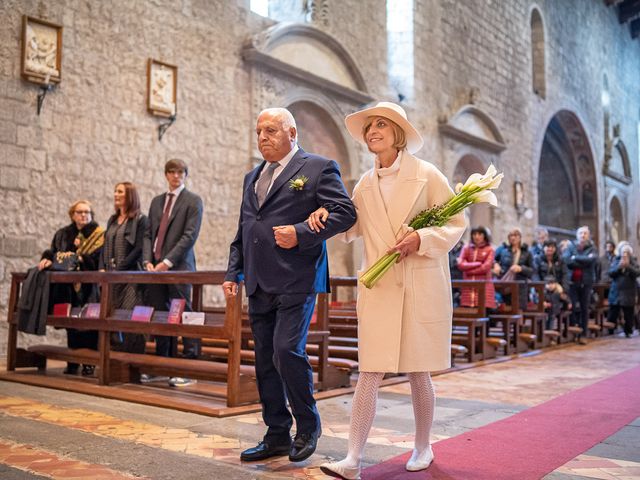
<point>84,237</point>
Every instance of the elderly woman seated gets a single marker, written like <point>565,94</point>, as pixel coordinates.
<point>82,240</point>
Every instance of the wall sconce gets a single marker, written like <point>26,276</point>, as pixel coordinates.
<point>519,202</point>
<point>162,128</point>
<point>44,89</point>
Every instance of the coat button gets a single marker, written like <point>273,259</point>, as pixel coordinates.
<point>258,217</point>
<point>255,241</point>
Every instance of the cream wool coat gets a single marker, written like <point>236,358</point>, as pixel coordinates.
<point>404,321</point>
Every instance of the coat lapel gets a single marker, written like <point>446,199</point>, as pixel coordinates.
<point>250,193</point>
<point>405,192</point>
<point>374,206</point>
<point>289,171</point>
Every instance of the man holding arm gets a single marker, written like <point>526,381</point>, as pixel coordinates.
<point>284,265</point>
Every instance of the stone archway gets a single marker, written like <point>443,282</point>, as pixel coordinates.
<point>479,214</point>
<point>567,183</point>
<point>318,133</point>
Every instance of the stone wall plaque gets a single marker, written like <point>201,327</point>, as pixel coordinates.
<point>162,88</point>
<point>41,60</point>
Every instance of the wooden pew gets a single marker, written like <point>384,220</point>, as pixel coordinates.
<point>471,324</point>
<point>332,370</point>
<point>601,309</point>
<point>508,323</point>
<point>120,366</point>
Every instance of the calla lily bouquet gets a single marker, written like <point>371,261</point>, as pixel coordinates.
<point>477,189</point>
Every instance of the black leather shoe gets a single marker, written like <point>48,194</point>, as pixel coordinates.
<point>264,450</point>
<point>303,446</point>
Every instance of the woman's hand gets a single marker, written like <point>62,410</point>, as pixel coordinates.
<point>408,245</point>
<point>317,219</point>
<point>515,268</point>
<point>44,263</point>
<point>497,269</point>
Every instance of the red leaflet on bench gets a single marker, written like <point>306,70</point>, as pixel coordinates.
<point>141,313</point>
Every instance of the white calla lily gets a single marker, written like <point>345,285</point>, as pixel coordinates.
<point>458,188</point>
<point>486,196</point>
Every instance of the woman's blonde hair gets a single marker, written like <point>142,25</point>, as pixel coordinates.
<point>75,204</point>
<point>400,142</point>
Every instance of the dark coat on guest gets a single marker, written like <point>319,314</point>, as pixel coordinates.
<point>182,231</point>
<point>134,231</point>
<point>623,283</point>
<point>581,258</point>
<point>504,257</point>
<point>34,302</point>
<point>542,268</point>
<point>63,241</point>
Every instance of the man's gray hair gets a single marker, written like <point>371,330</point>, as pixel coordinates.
<point>284,115</point>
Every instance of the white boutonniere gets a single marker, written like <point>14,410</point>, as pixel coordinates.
<point>298,183</point>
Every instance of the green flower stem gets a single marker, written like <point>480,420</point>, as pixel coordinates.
<point>378,269</point>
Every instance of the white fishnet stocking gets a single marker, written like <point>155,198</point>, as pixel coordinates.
<point>424,399</point>
<point>363,412</point>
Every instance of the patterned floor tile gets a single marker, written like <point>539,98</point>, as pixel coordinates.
<point>30,459</point>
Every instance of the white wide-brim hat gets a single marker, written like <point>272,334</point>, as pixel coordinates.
<point>389,110</point>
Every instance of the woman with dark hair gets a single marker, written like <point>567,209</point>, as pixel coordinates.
<point>551,263</point>
<point>476,263</point>
<point>85,238</point>
<point>123,251</point>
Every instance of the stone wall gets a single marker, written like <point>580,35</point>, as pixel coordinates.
<point>94,129</point>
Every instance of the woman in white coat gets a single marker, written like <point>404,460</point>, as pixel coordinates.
<point>404,321</point>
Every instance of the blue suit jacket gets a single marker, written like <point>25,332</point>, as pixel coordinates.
<point>254,255</point>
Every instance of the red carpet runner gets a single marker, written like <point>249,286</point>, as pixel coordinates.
<point>532,443</point>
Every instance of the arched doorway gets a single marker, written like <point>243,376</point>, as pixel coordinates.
<point>478,214</point>
<point>318,133</point>
<point>567,184</point>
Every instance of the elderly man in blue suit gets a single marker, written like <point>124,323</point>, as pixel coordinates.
<point>284,265</point>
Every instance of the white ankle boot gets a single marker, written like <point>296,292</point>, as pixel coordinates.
<point>339,470</point>
<point>420,460</point>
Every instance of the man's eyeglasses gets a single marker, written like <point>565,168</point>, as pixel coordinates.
<point>83,212</point>
<point>176,172</point>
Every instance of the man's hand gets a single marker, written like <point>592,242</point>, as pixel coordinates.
<point>230,289</point>
<point>408,245</point>
<point>161,267</point>
<point>149,267</point>
<point>317,219</point>
<point>286,236</point>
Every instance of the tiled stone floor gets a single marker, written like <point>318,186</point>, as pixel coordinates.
<point>53,434</point>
